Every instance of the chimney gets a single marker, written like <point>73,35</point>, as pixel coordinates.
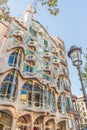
<point>28,15</point>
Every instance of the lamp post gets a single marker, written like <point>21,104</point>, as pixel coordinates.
<point>75,55</point>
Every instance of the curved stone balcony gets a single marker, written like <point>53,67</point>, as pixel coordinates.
<point>34,75</point>
<point>26,105</point>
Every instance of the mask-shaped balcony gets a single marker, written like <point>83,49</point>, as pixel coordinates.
<point>18,35</point>
<point>32,43</point>
<point>47,72</point>
<point>32,46</point>
<point>55,62</point>
<point>55,52</point>
<point>40,31</point>
<point>46,56</point>
<point>47,68</point>
<point>31,58</point>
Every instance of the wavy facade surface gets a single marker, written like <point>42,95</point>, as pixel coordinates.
<point>35,89</point>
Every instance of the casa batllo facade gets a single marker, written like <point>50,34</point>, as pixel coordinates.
<point>35,89</point>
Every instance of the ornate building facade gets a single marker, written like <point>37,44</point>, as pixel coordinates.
<point>35,89</point>
<point>81,108</point>
<point>76,113</point>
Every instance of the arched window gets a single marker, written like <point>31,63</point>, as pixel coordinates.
<point>60,83</point>
<point>51,102</point>
<point>7,89</point>
<point>38,96</point>
<point>68,103</point>
<point>26,94</point>
<point>66,85</point>
<point>59,127</point>
<point>14,58</point>
<point>5,120</point>
<point>24,122</point>
<point>61,104</point>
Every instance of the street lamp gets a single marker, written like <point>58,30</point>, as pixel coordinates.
<point>75,55</point>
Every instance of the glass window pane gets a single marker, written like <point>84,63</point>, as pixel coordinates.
<point>11,60</point>
<point>45,43</point>
<point>23,97</point>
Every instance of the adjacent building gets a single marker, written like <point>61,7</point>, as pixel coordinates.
<point>81,107</point>
<point>35,89</point>
<point>76,113</point>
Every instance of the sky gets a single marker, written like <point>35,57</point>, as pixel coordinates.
<point>70,25</point>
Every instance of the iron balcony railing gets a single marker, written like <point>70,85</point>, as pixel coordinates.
<point>67,88</point>
<point>69,109</point>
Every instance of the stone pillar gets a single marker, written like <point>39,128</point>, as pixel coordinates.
<point>55,126</point>
<point>13,127</point>
<point>13,84</point>
<point>32,124</point>
<point>74,124</point>
<point>43,99</point>
<point>43,126</point>
<point>66,124</point>
<point>32,100</point>
<point>18,59</point>
<point>19,93</point>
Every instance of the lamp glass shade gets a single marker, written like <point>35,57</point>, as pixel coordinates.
<point>75,56</point>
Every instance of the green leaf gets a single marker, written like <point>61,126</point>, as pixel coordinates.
<point>0,17</point>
